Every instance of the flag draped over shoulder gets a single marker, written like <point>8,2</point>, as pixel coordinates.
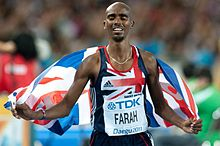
<point>51,85</point>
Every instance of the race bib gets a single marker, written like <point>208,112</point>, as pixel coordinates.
<point>125,116</point>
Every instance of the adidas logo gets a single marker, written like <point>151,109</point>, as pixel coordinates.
<point>108,84</point>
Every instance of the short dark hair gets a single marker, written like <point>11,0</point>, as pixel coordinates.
<point>189,70</point>
<point>25,45</point>
<point>204,72</point>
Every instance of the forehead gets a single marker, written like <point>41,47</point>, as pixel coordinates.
<point>118,9</point>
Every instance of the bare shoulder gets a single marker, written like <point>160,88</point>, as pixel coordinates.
<point>147,56</point>
<point>149,61</point>
<point>92,59</point>
<point>91,64</point>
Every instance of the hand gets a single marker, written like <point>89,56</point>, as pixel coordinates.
<point>192,126</point>
<point>24,111</point>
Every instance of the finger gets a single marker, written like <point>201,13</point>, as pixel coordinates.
<point>197,126</point>
<point>198,130</point>
<point>23,114</point>
<point>191,131</point>
<point>12,105</point>
<point>13,111</point>
<point>195,132</point>
<point>197,121</point>
<point>17,117</point>
<point>15,114</point>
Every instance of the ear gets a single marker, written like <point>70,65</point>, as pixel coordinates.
<point>132,23</point>
<point>104,23</point>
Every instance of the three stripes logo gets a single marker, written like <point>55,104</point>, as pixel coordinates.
<point>108,84</point>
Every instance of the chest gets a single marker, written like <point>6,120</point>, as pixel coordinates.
<point>131,81</point>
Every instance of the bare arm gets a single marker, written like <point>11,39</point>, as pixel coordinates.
<point>7,47</point>
<point>161,107</point>
<point>62,109</point>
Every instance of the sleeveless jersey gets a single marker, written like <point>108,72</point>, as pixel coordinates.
<point>118,97</point>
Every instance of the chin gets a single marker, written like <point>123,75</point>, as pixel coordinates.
<point>118,39</point>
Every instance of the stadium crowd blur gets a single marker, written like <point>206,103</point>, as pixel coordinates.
<point>185,33</point>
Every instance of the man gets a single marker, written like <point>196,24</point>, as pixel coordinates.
<point>119,114</point>
<point>19,64</point>
<point>206,95</point>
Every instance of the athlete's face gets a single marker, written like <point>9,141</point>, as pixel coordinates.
<point>117,22</point>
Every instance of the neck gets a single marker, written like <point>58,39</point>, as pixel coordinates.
<point>119,52</point>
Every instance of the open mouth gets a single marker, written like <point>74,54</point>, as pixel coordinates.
<point>118,29</point>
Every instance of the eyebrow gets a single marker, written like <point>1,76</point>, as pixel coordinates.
<point>111,15</point>
<point>121,15</point>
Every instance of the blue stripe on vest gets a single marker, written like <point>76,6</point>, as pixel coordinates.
<point>152,122</point>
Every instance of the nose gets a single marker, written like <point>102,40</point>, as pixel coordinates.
<point>117,21</point>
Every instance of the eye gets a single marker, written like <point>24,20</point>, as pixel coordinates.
<point>124,18</point>
<point>111,18</point>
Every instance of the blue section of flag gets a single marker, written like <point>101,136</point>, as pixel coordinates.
<point>63,124</point>
<point>170,75</point>
<point>72,60</point>
<point>56,128</point>
<point>7,105</point>
<point>71,119</point>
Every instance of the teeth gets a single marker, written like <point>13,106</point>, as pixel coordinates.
<point>117,29</point>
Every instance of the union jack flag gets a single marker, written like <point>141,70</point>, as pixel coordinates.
<point>52,84</point>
